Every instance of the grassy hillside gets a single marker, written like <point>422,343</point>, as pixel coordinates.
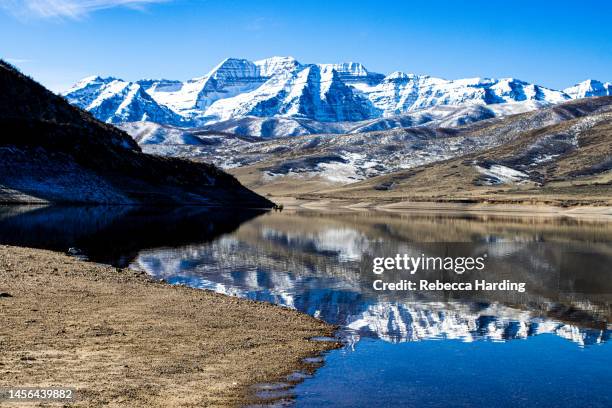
<point>566,163</point>
<point>312,163</point>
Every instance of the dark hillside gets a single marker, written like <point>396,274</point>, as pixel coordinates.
<point>53,151</point>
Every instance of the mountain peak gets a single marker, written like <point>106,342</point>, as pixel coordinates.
<point>590,82</point>
<point>399,75</point>
<point>589,88</point>
<point>355,68</point>
<point>94,80</point>
<point>347,69</point>
<point>274,65</point>
<point>97,78</point>
<point>276,60</point>
<point>114,100</point>
<point>231,67</point>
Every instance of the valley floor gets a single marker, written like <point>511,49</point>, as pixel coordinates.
<point>122,339</point>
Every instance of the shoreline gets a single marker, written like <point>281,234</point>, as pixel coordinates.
<point>447,207</point>
<point>120,337</point>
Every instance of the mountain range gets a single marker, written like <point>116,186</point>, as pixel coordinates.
<point>280,96</point>
<point>554,154</point>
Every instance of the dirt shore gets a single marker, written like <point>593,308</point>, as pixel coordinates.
<point>122,339</point>
<point>601,213</point>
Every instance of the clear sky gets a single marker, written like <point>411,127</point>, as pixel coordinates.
<point>553,43</point>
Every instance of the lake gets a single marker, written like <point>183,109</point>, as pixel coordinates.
<point>548,346</point>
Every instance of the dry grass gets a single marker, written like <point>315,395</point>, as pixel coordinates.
<point>124,340</point>
<point>575,178</point>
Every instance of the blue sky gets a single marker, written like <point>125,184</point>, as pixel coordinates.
<point>553,43</point>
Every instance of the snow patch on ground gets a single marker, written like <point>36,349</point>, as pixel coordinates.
<point>498,174</point>
<point>357,167</point>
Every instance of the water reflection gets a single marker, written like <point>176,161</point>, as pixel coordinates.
<point>321,264</point>
<point>114,234</point>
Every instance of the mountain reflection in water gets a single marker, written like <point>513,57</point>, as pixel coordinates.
<point>320,263</point>
<point>114,234</point>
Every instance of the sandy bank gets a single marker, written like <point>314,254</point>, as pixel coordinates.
<point>600,213</point>
<point>122,339</point>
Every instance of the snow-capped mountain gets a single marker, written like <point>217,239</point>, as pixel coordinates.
<point>589,88</point>
<point>116,101</point>
<point>283,88</point>
<point>313,92</point>
<point>399,92</point>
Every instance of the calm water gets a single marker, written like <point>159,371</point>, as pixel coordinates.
<point>547,347</point>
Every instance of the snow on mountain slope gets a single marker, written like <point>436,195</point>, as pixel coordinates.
<point>344,159</point>
<point>401,92</point>
<point>115,101</point>
<point>354,73</point>
<point>280,126</point>
<point>314,93</point>
<point>273,126</point>
<point>269,67</point>
<point>282,87</point>
<point>146,133</point>
<point>589,88</point>
<point>230,78</point>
